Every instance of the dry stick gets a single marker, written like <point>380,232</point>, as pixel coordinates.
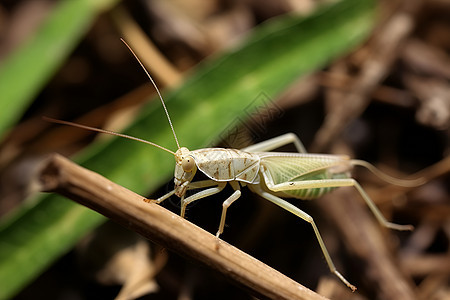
<point>154,222</point>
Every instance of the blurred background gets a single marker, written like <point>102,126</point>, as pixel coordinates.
<point>380,94</point>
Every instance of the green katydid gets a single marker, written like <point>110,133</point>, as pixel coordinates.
<point>271,175</point>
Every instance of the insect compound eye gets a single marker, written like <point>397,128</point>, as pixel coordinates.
<point>187,164</point>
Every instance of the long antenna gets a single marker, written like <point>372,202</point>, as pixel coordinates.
<point>107,132</point>
<point>157,90</point>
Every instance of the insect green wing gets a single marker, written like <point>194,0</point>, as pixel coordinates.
<point>290,167</point>
<point>284,167</point>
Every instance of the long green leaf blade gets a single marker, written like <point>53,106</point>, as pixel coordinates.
<point>26,71</point>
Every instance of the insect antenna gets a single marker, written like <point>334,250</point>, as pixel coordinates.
<point>107,132</point>
<point>396,181</point>
<point>157,90</point>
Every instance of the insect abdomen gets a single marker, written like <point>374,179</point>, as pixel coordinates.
<point>313,193</point>
<point>309,194</point>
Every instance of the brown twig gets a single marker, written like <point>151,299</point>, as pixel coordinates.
<point>167,229</point>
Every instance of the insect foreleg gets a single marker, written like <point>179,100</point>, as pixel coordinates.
<point>298,212</point>
<point>160,199</point>
<point>202,194</point>
<point>192,185</point>
<point>334,183</point>
<point>277,142</point>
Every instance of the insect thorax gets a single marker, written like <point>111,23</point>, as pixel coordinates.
<point>222,164</point>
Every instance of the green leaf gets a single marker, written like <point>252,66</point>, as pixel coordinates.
<point>24,73</point>
<point>219,92</point>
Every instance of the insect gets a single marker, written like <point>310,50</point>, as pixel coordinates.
<point>271,175</point>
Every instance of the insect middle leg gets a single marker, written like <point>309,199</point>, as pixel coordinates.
<point>298,212</point>
<point>226,204</point>
<point>202,194</point>
<point>277,142</point>
<point>211,191</point>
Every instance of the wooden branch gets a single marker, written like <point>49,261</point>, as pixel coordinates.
<point>167,229</point>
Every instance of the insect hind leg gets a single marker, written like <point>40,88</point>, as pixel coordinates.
<point>377,212</point>
<point>299,213</point>
<point>335,183</point>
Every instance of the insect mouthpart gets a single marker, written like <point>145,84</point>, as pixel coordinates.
<point>180,187</point>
